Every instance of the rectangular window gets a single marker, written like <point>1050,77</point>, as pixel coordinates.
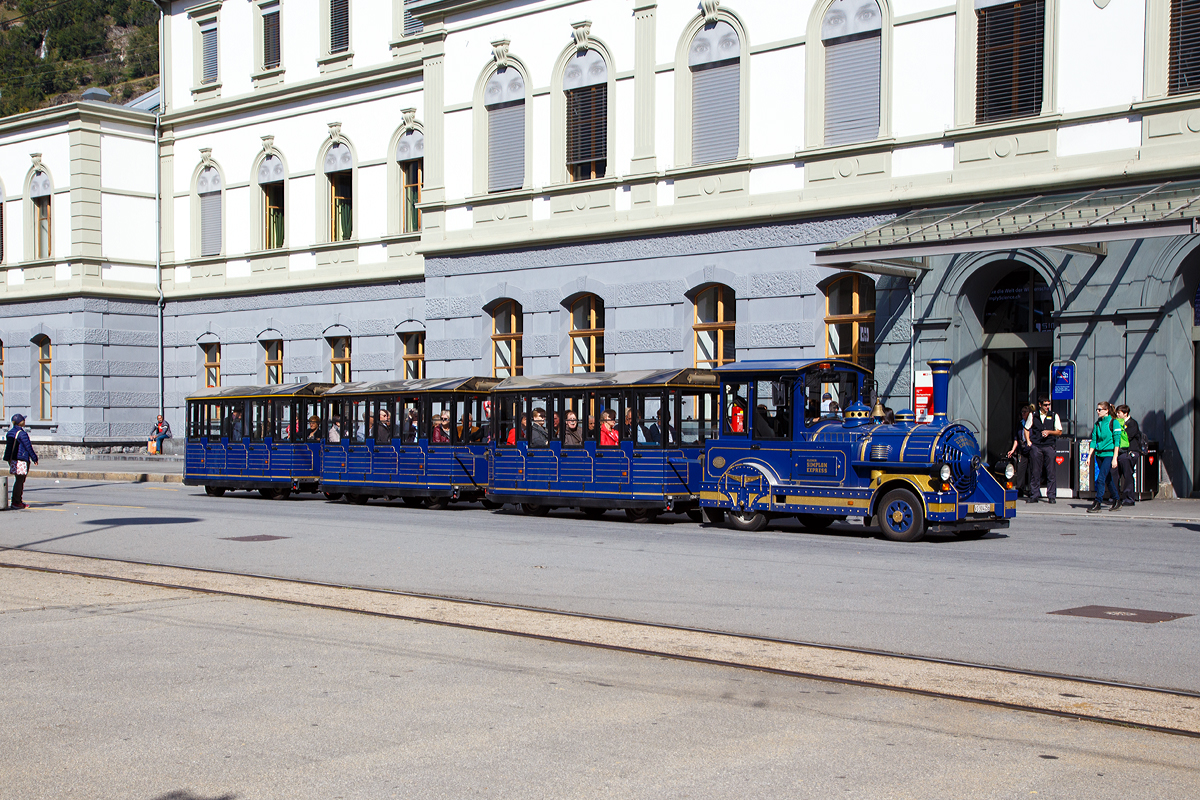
<point>587,132</point>
<point>506,147</point>
<point>736,395</point>
<point>412,25</point>
<point>210,224</point>
<point>273,215</point>
<point>208,52</point>
<point>274,361</point>
<point>1183,70</point>
<point>412,173</point>
<point>716,109</point>
<point>272,53</point>
<point>341,208</point>
<point>772,418</point>
<point>1009,69</point>
<point>42,239</point>
<point>339,26</point>
<point>340,360</point>
<point>45,382</point>
<point>414,356</point>
<point>212,365</point>
<point>1,380</point>
<point>697,415</point>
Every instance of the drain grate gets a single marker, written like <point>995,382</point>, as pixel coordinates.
<point>1123,614</point>
<point>262,537</point>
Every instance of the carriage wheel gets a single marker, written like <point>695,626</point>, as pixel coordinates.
<point>214,491</point>
<point>268,494</point>
<point>534,510</point>
<point>746,520</point>
<point>413,502</point>
<point>901,517</point>
<point>438,503</point>
<point>642,514</point>
<point>333,497</point>
<point>281,494</point>
<point>592,512</point>
<point>358,499</point>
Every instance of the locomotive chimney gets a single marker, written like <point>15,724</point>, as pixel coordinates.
<point>941,387</point>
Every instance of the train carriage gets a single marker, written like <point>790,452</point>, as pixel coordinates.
<point>602,440</point>
<point>260,438</point>
<point>797,439</point>
<point>424,441</point>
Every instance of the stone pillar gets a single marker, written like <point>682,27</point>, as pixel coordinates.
<point>434,91</point>
<point>85,189</point>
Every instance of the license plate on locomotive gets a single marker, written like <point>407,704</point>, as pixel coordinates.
<point>981,508</point>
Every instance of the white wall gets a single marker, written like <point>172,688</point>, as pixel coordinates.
<point>777,102</point>
<point>923,77</point>
<point>127,227</point>
<point>126,164</point>
<point>1100,54</point>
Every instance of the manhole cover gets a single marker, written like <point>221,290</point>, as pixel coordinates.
<point>1124,614</point>
<point>262,537</point>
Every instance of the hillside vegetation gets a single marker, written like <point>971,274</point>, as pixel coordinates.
<point>51,50</point>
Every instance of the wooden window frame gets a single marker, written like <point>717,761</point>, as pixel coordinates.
<point>45,380</point>
<point>515,335</point>
<point>271,204</point>
<point>598,129</point>
<point>412,178</point>
<point>274,347</point>
<point>414,355</point>
<point>335,199</point>
<point>593,333</point>
<point>42,211</point>
<point>212,365</point>
<point>985,80</point>
<point>1,379</point>
<point>722,326</point>
<point>855,319</point>
<point>336,361</point>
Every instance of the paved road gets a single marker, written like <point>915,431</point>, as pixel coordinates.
<point>121,691</point>
<point>986,601</point>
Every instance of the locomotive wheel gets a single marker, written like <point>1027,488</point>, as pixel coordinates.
<point>901,517</point>
<point>592,512</point>
<point>746,520</point>
<point>214,491</point>
<point>413,502</point>
<point>333,497</point>
<point>534,510</point>
<point>815,522</point>
<point>281,494</point>
<point>641,514</point>
<point>714,516</point>
<point>358,499</point>
<point>491,505</point>
<point>695,515</point>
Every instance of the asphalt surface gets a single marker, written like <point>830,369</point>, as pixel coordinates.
<point>116,690</point>
<point>986,601</point>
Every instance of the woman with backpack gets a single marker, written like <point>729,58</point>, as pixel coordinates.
<point>1106,445</point>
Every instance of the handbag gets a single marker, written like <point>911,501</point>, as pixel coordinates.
<point>21,468</point>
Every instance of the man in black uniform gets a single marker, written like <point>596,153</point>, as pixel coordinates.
<point>1044,429</point>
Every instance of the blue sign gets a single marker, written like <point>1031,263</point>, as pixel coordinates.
<point>1062,384</point>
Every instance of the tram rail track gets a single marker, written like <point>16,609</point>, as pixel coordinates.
<point>1159,709</point>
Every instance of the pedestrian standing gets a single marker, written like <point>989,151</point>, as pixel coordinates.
<point>1106,445</point>
<point>1130,452</point>
<point>1043,429</point>
<point>19,453</point>
<point>1019,452</point>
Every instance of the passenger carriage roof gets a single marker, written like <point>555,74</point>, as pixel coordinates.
<point>592,380</point>
<point>788,365</point>
<point>471,384</point>
<point>306,389</point>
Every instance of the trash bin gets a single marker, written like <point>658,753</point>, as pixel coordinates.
<point>1083,469</point>
<point>1065,466</point>
<point>1145,473</point>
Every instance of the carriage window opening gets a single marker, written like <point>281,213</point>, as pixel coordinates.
<point>610,419</point>
<point>408,424</point>
<point>772,410</point>
<point>212,420</point>
<point>260,420</point>
<point>575,421</point>
<point>539,417</point>
<point>441,417</point>
<point>644,420</point>
<point>337,420</point>
<point>510,429</point>
<point>734,404</point>
<point>384,429</point>
<point>697,418</point>
<point>355,429</point>
<point>234,425</point>
<point>827,393</point>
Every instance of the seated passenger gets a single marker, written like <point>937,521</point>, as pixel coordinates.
<point>609,435</point>
<point>411,427</point>
<point>763,427</point>
<point>512,434</point>
<point>313,434</point>
<point>335,430</point>
<point>573,435</point>
<point>383,428</point>
<point>441,429</point>
<point>834,412</point>
<point>538,436</point>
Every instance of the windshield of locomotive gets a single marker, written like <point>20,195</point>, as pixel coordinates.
<point>827,393</point>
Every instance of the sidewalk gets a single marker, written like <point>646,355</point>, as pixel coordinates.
<point>124,471</point>
<point>1183,509</point>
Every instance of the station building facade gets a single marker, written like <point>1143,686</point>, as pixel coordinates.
<point>367,189</point>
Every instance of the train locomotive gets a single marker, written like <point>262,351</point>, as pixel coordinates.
<point>796,439</point>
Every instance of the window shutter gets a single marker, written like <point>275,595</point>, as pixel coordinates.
<point>210,224</point>
<point>208,41</point>
<point>412,25</point>
<point>339,26</point>
<point>506,147</point>
<point>1183,70</point>
<point>587,124</point>
<point>271,53</point>
<point>1009,67</point>
<point>852,90</point>
<point>716,92</point>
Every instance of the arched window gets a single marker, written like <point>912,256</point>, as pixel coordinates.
<point>507,326</point>
<point>504,100</point>
<point>45,378</point>
<point>410,155</point>
<point>40,193</point>
<point>270,182</point>
<point>714,58</point>
<point>585,85</point>
<point>714,328</point>
<point>414,355</point>
<point>339,172</point>
<point>850,319</point>
<point>208,189</point>
<point>273,360</point>
<point>1183,71</point>
<point>850,35</point>
<point>587,334</point>
<point>212,364</point>
<point>1021,302</point>
<point>339,360</point>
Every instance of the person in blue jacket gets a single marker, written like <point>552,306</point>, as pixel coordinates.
<point>1106,446</point>
<point>19,453</point>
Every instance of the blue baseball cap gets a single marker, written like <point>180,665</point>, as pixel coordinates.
<point>17,419</point>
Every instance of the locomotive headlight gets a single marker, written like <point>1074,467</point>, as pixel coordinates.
<point>944,472</point>
<point>1009,471</point>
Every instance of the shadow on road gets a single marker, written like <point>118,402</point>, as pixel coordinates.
<point>111,524</point>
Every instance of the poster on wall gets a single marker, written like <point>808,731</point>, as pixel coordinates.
<point>923,396</point>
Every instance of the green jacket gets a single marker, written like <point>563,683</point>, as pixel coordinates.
<point>1106,435</point>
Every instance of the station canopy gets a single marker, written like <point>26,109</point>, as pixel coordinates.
<point>1081,220</point>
